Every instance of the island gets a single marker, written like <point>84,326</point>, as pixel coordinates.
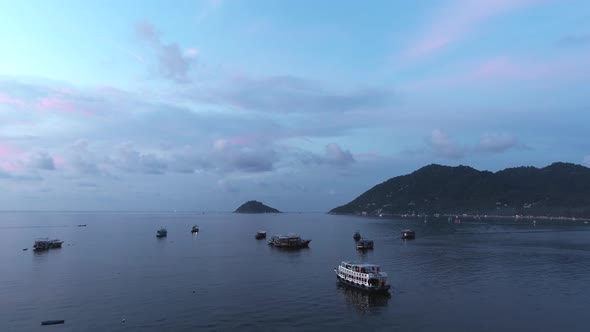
<point>560,190</point>
<point>255,207</point>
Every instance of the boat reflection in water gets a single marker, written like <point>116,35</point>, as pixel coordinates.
<point>363,301</point>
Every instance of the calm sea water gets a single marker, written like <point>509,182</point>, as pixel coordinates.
<point>477,276</point>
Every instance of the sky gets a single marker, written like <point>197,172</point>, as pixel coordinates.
<point>303,105</point>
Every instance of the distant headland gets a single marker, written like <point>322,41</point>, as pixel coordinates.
<point>560,190</point>
<point>255,207</point>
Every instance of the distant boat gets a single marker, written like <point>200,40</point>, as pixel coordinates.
<point>364,276</point>
<point>260,235</point>
<point>53,322</point>
<point>356,236</point>
<point>290,241</point>
<point>364,244</point>
<point>45,244</point>
<point>408,234</point>
<point>195,229</point>
<point>82,225</point>
<point>162,232</point>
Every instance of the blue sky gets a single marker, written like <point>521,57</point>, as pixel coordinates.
<point>304,105</point>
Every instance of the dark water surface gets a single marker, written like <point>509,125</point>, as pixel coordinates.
<point>477,276</point>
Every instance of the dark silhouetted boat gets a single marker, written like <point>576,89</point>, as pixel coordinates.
<point>195,229</point>
<point>408,234</point>
<point>162,232</point>
<point>356,236</point>
<point>46,244</point>
<point>364,244</point>
<point>290,241</point>
<point>260,235</point>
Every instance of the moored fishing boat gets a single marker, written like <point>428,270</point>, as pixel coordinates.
<point>45,244</point>
<point>408,234</point>
<point>364,276</point>
<point>356,236</point>
<point>162,232</point>
<point>290,241</point>
<point>260,235</point>
<point>364,244</point>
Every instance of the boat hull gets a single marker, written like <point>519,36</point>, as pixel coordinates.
<point>408,234</point>
<point>302,244</point>
<point>343,281</point>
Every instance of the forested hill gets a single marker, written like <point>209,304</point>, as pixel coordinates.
<point>561,189</point>
<point>255,207</point>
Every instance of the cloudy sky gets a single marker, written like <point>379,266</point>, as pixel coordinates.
<point>304,105</point>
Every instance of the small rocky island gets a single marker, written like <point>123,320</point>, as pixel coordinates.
<point>255,207</point>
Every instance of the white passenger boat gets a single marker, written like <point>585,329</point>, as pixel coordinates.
<point>364,276</point>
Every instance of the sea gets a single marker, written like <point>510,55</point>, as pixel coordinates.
<point>114,274</point>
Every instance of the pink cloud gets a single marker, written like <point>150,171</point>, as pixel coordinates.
<point>9,159</point>
<point>54,102</point>
<point>58,104</point>
<point>456,21</point>
<point>191,52</point>
<point>5,99</point>
<point>7,151</point>
<point>59,161</point>
<point>506,69</point>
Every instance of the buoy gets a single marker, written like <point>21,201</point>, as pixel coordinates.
<point>53,322</point>
<point>123,320</point>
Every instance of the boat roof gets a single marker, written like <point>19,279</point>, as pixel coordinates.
<point>287,236</point>
<point>360,264</point>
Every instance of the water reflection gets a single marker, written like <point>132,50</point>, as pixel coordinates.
<point>363,301</point>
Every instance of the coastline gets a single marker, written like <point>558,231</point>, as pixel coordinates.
<point>465,216</point>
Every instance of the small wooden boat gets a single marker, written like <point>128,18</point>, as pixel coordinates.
<point>162,232</point>
<point>53,322</point>
<point>356,236</point>
<point>408,234</point>
<point>365,244</point>
<point>260,235</point>
<point>195,229</point>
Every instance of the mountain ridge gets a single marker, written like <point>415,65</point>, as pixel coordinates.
<point>557,190</point>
